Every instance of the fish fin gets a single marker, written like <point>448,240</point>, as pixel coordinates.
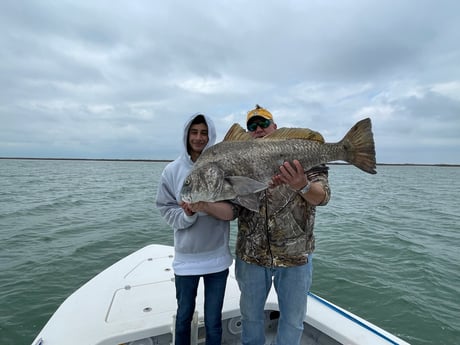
<point>249,201</point>
<point>359,146</point>
<point>247,190</point>
<point>243,185</point>
<point>237,133</point>
<point>295,133</point>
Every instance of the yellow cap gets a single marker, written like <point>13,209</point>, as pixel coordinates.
<point>261,112</point>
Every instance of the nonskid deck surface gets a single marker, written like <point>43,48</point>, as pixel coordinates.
<point>231,333</point>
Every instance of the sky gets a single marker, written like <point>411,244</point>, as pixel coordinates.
<point>118,79</point>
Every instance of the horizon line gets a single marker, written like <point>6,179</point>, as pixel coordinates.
<point>170,160</point>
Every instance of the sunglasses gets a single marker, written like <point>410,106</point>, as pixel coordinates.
<point>261,123</point>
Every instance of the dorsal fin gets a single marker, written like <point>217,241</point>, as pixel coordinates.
<point>237,133</point>
<point>295,133</point>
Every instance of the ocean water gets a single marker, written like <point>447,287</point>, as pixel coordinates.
<point>387,244</point>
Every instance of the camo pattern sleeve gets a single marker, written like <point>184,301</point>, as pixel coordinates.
<point>281,233</point>
<point>320,174</point>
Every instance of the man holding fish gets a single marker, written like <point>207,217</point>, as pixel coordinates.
<point>276,243</point>
<point>201,237</point>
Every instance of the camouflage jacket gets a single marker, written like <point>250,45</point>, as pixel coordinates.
<point>281,233</point>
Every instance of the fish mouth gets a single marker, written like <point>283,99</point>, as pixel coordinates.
<point>186,199</point>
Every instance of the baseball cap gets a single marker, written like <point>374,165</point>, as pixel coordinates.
<point>260,112</point>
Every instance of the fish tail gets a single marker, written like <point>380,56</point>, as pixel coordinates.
<point>359,146</point>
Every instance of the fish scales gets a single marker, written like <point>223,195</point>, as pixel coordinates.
<point>244,158</point>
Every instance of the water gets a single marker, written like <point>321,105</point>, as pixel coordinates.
<point>387,244</point>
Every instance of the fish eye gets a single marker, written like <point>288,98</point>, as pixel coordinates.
<point>187,181</point>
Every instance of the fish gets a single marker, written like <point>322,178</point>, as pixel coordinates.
<point>239,167</point>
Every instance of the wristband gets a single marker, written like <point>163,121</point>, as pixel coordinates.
<point>305,189</point>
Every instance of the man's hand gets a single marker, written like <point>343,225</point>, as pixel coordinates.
<point>221,209</point>
<point>200,206</point>
<point>187,207</point>
<point>292,175</point>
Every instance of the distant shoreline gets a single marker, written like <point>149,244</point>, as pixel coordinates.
<point>89,159</point>
<point>170,160</point>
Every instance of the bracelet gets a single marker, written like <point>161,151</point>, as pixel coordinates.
<point>305,189</point>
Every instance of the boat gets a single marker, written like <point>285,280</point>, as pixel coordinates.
<point>133,302</point>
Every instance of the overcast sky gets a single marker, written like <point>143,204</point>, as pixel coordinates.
<point>118,79</point>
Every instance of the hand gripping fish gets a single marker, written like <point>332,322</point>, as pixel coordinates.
<point>240,167</point>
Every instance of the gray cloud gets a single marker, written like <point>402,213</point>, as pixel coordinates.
<point>117,80</point>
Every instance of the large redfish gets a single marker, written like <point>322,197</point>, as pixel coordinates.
<point>240,167</point>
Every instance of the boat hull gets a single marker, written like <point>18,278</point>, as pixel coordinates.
<point>133,302</point>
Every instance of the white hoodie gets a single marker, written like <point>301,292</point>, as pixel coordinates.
<point>201,242</point>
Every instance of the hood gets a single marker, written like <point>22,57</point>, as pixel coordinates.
<point>211,132</point>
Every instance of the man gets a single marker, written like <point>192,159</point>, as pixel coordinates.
<point>276,243</point>
<point>201,237</point>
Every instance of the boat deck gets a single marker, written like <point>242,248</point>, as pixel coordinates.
<point>133,302</point>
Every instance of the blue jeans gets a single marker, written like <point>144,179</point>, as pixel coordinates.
<point>186,290</point>
<point>291,284</point>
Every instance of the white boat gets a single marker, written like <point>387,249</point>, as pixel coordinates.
<point>133,303</point>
